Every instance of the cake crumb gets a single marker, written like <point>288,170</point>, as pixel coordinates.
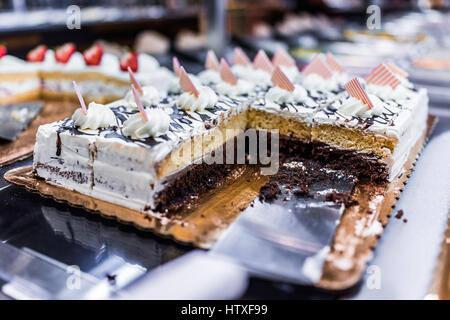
<point>399,214</point>
<point>405,220</point>
<point>344,198</point>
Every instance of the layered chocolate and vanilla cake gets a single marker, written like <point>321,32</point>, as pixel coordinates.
<point>144,158</point>
<point>370,130</point>
<point>147,151</point>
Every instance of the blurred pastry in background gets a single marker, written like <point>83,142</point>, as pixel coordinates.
<point>262,30</point>
<point>188,40</point>
<point>110,47</point>
<point>151,42</point>
<point>437,59</point>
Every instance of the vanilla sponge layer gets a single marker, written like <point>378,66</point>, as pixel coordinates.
<point>391,149</point>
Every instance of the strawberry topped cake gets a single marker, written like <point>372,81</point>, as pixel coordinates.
<point>102,77</point>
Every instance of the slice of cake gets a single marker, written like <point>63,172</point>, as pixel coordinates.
<point>102,77</point>
<point>147,159</point>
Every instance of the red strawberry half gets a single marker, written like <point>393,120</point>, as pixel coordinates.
<point>37,54</point>
<point>63,53</point>
<point>93,55</point>
<point>3,51</point>
<point>129,59</point>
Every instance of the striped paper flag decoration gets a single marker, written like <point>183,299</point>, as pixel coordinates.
<point>318,66</point>
<point>138,101</point>
<point>226,74</point>
<point>176,66</point>
<point>333,64</point>
<point>134,81</point>
<point>397,70</point>
<point>282,58</point>
<point>240,57</point>
<point>381,75</point>
<point>262,62</point>
<point>186,83</point>
<point>355,89</point>
<point>211,61</point>
<point>280,80</point>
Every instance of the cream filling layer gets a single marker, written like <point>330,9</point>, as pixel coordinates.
<point>16,87</point>
<point>87,88</point>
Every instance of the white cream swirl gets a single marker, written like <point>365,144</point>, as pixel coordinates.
<point>314,81</point>
<point>147,63</point>
<point>256,76</point>
<point>206,99</point>
<point>353,107</point>
<point>150,96</point>
<point>209,76</point>
<point>137,127</point>
<point>242,87</point>
<point>98,116</point>
<point>291,72</point>
<point>387,93</point>
<point>278,96</point>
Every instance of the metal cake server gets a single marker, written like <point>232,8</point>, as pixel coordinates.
<point>14,118</point>
<point>286,240</point>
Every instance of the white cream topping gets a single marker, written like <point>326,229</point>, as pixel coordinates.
<point>209,76</point>
<point>314,81</point>
<point>387,93</point>
<point>256,76</point>
<point>150,97</point>
<point>147,63</point>
<point>276,96</point>
<point>98,116</point>
<point>233,91</point>
<point>10,64</point>
<point>291,72</point>
<point>206,99</point>
<point>353,107</point>
<point>137,127</point>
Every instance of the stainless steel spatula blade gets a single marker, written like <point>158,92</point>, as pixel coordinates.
<point>14,118</point>
<point>287,240</point>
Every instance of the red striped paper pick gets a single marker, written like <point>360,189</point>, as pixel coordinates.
<point>211,61</point>
<point>381,75</point>
<point>397,70</point>
<point>282,58</point>
<point>226,74</point>
<point>240,57</point>
<point>280,80</point>
<point>355,89</point>
<point>138,101</point>
<point>80,97</point>
<point>134,81</point>
<point>176,66</point>
<point>318,66</point>
<point>333,64</point>
<point>186,83</point>
<point>262,62</point>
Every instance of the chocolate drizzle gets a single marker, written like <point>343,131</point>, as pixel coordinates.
<point>182,123</point>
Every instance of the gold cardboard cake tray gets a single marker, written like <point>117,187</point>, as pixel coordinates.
<point>201,223</point>
<point>22,147</point>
